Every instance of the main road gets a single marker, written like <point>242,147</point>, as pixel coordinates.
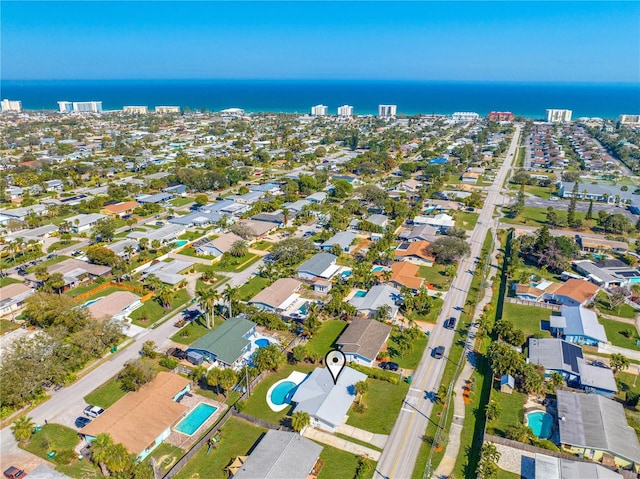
<point>401,450</point>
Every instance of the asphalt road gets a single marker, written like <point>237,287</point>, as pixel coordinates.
<point>401,451</point>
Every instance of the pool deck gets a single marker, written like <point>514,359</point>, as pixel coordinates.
<point>295,377</point>
<point>182,440</point>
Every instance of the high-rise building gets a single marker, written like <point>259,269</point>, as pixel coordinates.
<point>629,120</point>
<point>135,110</point>
<point>345,110</point>
<point>65,106</point>
<point>87,107</point>
<point>500,116</point>
<point>167,109</point>
<point>465,116</point>
<point>12,105</point>
<point>319,110</point>
<point>387,111</point>
<point>558,116</point>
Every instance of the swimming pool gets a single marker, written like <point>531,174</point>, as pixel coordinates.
<point>304,309</point>
<point>181,243</point>
<point>90,302</point>
<point>540,423</point>
<point>360,294</point>
<point>282,393</point>
<point>195,419</point>
<point>346,274</point>
<point>262,342</point>
<point>375,269</point>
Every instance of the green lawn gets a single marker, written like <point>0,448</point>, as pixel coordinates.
<point>192,252</point>
<point>532,216</point>
<point>180,201</point>
<point>257,405</point>
<point>622,311</point>
<point>6,326</point>
<point>107,394</point>
<point>338,463</point>
<point>195,330</point>
<point>252,287</point>
<point>511,412</point>
<point>52,437</point>
<point>383,401</point>
<point>502,474</point>
<point>526,318</point>
<point>410,359</point>
<point>154,311</point>
<point>617,333</point>
<point>236,264</point>
<point>47,262</point>
<point>466,220</point>
<point>544,192</point>
<point>324,340</point>
<point>191,235</point>
<point>627,382</point>
<point>262,245</point>
<point>433,275</point>
<point>6,281</point>
<point>432,317</point>
<point>165,455</point>
<point>61,245</point>
<point>237,439</point>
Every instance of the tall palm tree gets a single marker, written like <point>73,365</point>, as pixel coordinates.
<point>153,282</point>
<point>230,294</point>
<point>165,295</point>
<point>208,299</point>
<point>129,250</point>
<point>100,451</point>
<point>22,429</point>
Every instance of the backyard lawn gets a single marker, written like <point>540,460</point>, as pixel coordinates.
<point>324,340</point>
<point>107,394</point>
<point>190,235</point>
<point>237,438</point>
<point>620,334</point>
<point>252,287</point>
<point>192,252</point>
<point>180,201</point>
<point>165,455</point>
<point>511,412</point>
<point>622,311</point>
<point>526,318</point>
<point>195,330</point>
<point>434,275</point>
<point>257,405</point>
<point>154,311</point>
<point>338,463</point>
<point>383,401</point>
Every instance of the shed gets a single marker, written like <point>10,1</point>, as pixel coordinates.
<point>195,358</point>
<point>507,384</point>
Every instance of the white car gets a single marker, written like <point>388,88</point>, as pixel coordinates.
<point>93,411</point>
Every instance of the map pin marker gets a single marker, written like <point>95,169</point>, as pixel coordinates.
<point>335,361</point>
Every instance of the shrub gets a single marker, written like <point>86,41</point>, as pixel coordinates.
<point>66,456</point>
<point>632,398</point>
<point>169,363</point>
<point>240,406</point>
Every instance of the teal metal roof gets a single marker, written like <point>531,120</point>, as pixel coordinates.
<point>226,342</point>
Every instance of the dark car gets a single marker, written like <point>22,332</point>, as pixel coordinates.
<point>82,422</point>
<point>177,353</point>
<point>22,272</point>
<point>450,323</point>
<point>14,473</point>
<point>438,352</point>
<point>389,366</point>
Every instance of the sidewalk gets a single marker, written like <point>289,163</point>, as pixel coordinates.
<point>339,443</point>
<point>378,440</point>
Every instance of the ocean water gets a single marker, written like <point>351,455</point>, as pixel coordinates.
<point>530,100</point>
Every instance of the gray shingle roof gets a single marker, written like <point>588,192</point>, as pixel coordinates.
<point>555,354</point>
<point>364,337</point>
<point>281,455</point>
<point>317,264</point>
<point>593,421</point>
<point>583,322</point>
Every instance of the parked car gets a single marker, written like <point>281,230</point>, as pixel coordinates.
<point>450,323</point>
<point>77,253</point>
<point>93,411</point>
<point>389,366</point>
<point>438,352</point>
<point>82,422</point>
<point>177,353</point>
<point>14,473</point>
<point>22,272</point>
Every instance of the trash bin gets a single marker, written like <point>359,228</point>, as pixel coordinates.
<point>114,349</point>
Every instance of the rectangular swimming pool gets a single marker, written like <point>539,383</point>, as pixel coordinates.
<point>195,419</point>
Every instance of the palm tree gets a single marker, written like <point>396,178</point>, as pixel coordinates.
<point>239,249</point>
<point>230,294</point>
<point>100,451</point>
<point>23,429</point>
<point>144,242</point>
<point>361,388</point>
<point>300,420</point>
<point>208,299</point>
<point>153,282</point>
<point>165,296</point>
<point>129,250</point>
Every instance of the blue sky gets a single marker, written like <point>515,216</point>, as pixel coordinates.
<point>468,41</point>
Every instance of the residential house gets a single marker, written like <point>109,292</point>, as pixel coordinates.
<point>20,214</point>
<point>197,218</point>
<point>469,177</point>
<point>275,217</point>
<point>260,228</point>
<point>379,295</point>
<point>320,266</point>
<point>36,234</point>
<point>226,345</point>
<point>442,222</point>
<point>326,401</point>
<point>363,340</point>
<point>120,247</point>
<point>414,252</point>
<point>280,454</point>
<point>379,220</point>
<point>277,297</point>
<point>217,247</point>
<point>567,359</point>
<point>54,185</point>
<point>574,292</point>
<point>249,198</point>
<point>297,206</point>
<point>73,271</point>
<point>405,273</point>
<point>421,232</point>
<point>13,296</point>
<point>578,325</point>
<point>344,240</point>
<point>608,274</point>
<point>165,234</point>
<point>116,306</point>
<point>143,419</point>
<point>155,199</point>
<point>168,273</point>
<point>82,222</point>
<point>120,210</point>
<point>175,189</point>
<point>547,467</point>
<point>318,198</point>
<point>272,189</point>
<point>596,428</point>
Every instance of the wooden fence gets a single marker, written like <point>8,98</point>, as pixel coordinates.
<point>537,304</point>
<point>111,284</point>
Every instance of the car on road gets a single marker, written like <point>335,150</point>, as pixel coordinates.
<point>450,323</point>
<point>14,473</point>
<point>77,253</point>
<point>389,366</point>
<point>22,272</point>
<point>307,234</point>
<point>93,411</point>
<point>438,352</point>
<point>82,422</point>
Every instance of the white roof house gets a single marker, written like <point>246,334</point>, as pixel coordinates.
<point>327,403</point>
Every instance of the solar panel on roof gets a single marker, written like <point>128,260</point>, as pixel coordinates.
<point>571,354</point>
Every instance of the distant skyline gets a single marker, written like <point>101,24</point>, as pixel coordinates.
<point>581,42</point>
